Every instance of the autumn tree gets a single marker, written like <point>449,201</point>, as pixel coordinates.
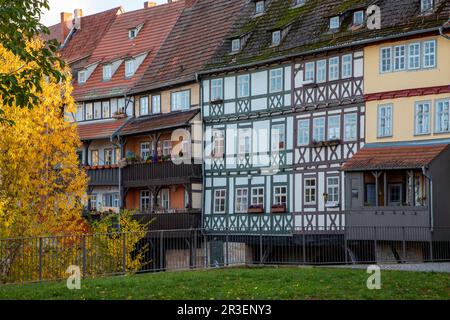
<point>42,187</point>
<point>19,24</point>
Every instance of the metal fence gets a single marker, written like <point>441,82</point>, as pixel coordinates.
<point>47,258</point>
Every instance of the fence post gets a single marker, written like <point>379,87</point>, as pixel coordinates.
<point>226,247</point>
<point>431,246</point>
<point>84,257</point>
<point>161,250</point>
<point>205,243</point>
<point>195,249</point>
<point>40,258</point>
<point>304,245</point>
<point>375,243</point>
<point>403,245</point>
<point>260,246</point>
<point>124,253</point>
<point>345,247</point>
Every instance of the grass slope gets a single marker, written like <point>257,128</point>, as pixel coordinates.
<point>245,283</point>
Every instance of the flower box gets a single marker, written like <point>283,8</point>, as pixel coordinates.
<point>119,115</point>
<point>255,209</point>
<point>217,101</point>
<point>278,209</point>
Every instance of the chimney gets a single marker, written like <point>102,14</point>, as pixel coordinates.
<point>65,25</point>
<point>77,14</point>
<point>149,4</point>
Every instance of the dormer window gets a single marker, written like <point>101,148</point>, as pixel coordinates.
<point>82,76</point>
<point>129,68</point>
<point>235,45</point>
<point>358,18</point>
<point>107,72</point>
<point>335,23</point>
<point>426,5</point>
<point>276,38</point>
<point>299,2</point>
<point>132,33</point>
<point>259,7</point>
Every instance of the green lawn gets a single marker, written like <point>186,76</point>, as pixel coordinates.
<point>245,283</point>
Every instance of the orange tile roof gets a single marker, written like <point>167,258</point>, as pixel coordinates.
<point>399,157</point>
<point>157,22</point>
<point>193,40</point>
<point>90,130</point>
<point>84,41</point>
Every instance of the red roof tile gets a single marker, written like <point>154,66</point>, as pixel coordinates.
<point>157,22</point>
<point>193,40</point>
<point>158,122</point>
<point>99,130</point>
<point>84,41</point>
<point>400,157</point>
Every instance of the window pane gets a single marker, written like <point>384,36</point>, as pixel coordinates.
<point>319,129</point>
<point>181,100</point>
<point>303,132</point>
<point>386,59</point>
<point>309,72</point>
<point>106,109</point>
<point>156,104</point>
<point>347,66</point>
<point>414,56</point>
<point>216,89</point>
<point>333,69</point>
<point>143,102</point>
<point>334,127</point>
<point>243,86</point>
<point>321,71</point>
<point>276,80</point>
<point>350,123</point>
<point>97,110</point>
<point>399,58</point>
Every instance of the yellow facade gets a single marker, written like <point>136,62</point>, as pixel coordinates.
<point>404,105</point>
<point>166,99</point>
<point>375,81</point>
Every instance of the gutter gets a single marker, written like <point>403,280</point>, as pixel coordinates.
<point>424,172</point>
<point>342,46</point>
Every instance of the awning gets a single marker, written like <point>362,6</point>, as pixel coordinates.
<point>92,130</point>
<point>391,158</point>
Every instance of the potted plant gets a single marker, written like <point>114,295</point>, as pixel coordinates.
<point>119,115</point>
<point>256,209</point>
<point>278,208</point>
<point>130,157</point>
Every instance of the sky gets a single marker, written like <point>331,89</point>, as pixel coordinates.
<point>89,7</point>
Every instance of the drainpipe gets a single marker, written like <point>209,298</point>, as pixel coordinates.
<point>197,79</point>
<point>441,31</point>
<point>424,172</point>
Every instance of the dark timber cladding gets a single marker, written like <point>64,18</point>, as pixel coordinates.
<point>309,88</point>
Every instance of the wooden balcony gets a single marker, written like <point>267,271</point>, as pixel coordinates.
<point>400,216</point>
<point>171,220</point>
<point>160,174</point>
<point>103,176</point>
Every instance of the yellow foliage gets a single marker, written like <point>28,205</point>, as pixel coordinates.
<point>42,187</point>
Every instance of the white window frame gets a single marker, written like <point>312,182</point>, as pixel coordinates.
<point>221,196</point>
<point>260,7</point>
<point>278,135</point>
<point>386,130</point>
<point>216,89</point>
<point>80,112</point>
<point>167,148</point>
<point>442,108</point>
<point>129,68</point>
<point>236,45</point>
<point>303,133</point>
<point>422,118</point>
<point>333,69</point>
<point>184,97</point>
<point>384,58</point>
<point>335,23</point>
<point>276,80</point>
<point>243,83</point>
<point>257,195</point>
<point>413,55</point>
<point>427,65</point>
<point>108,154</point>
<point>399,58</point>
<point>95,157</point>
<point>276,38</point>
<point>93,202</point>
<point>107,72</point>
<point>310,70</point>
<point>82,76</point>
<point>241,200</point>
<point>280,193</point>
<point>132,33</point>
<point>347,66</point>
<point>358,18</point>
<point>164,199</point>
<point>89,109</point>
<point>145,150</point>
<point>334,129</point>
<point>310,191</point>
<point>426,5</point>
<point>321,71</point>
<point>218,144</point>
<point>106,109</point>
<point>244,142</point>
<point>97,110</point>
<point>156,104</point>
<point>319,131</point>
<point>147,204</point>
<point>333,190</point>
<point>350,126</point>
<point>144,109</point>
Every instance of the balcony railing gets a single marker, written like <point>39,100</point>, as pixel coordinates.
<point>103,176</point>
<point>161,173</point>
<point>171,220</point>
<point>388,216</point>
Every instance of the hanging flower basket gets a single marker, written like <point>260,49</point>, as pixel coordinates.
<point>278,209</point>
